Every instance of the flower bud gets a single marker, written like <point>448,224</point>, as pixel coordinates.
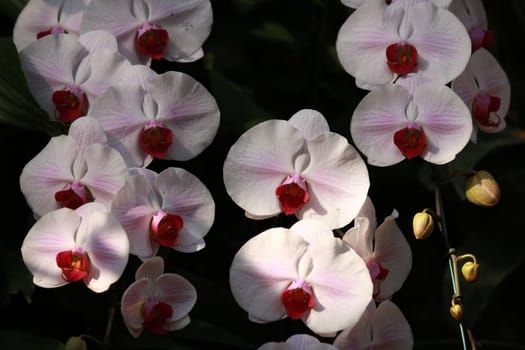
<point>482,189</point>
<point>75,343</point>
<point>423,225</point>
<point>456,311</point>
<point>470,271</point>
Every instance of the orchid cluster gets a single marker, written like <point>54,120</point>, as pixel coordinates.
<point>431,86</point>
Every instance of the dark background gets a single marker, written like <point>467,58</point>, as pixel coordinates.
<point>268,59</point>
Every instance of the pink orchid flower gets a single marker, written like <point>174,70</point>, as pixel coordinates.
<point>296,167</point>
<point>379,43</point>
<point>298,342</point>
<point>473,16</point>
<point>485,88</point>
<point>153,29</point>
<point>87,244</point>
<point>384,249</point>
<point>73,170</point>
<point>304,273</point>
<point>163,116</point>
<point>172,209</point>
<point>380,328</point>
<point>66,74</point>
<point>157,302</point>
<point>40,18</point>
<point>391,124</point>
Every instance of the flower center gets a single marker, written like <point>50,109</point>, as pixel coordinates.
<point>74,265</point>
<point>155,315</point>
<point>410,141</point>
<point>480,37</point>
<point>483,106</point>
<point>292,193</point>
<point>165,229</point>
<point>70,104</point>
<point>53,30</point>
<point>298,299</point>
<point>378,274</point>
<point>152,41</point>
<point>401,58</point>
<point>74,195</point>
<point>155,140</point>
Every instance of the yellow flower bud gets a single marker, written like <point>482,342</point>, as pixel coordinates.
<point>456,311</point>
<point>423,225</point>
<point>482,189</point>
<point>470,271</point>
<point>75,343</point>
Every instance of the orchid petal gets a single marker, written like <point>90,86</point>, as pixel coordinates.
<point>259,161</point>
<point>86,131</point>
<point>150,269</point>
<point>53,233</point>
<point>361,237</point>
<point>390,328</point>
<point>310,123</point>
<point>179,324</point>
<point>262,269</point>
<point>359,336</point>
<point>131,304</point>
<point>98,40</point>
<point>178,292</point>
<point>469,12</point>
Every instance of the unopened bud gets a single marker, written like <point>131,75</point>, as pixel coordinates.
<point>422,224</point>
<point>482,189</point>
<point>470,271</point>
<point>75,343</point>
<point>456,311</point>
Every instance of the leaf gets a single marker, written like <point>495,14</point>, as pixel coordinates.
<point>17,105</point>
<point>24,341</point>
<point>275,32</point>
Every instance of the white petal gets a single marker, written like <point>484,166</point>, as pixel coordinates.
<point>53,233</point>
<point>97,40</point>
<point>262,269</point>
<point>151,268</point>
<point>360,237</point>
<point>178,292</point>
<point>86,131</point>
<point>131,304</point>
<point>259,161</point>
<point>390,328</point>
<point>310,122</point>
<point>338,181</point>
<point>358,336</point>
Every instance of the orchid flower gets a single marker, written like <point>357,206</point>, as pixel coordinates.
<point>66,74</point>
<point>172,209</point>
<point>153,29</point>
<point>391,124</point>
<point>72,170</point>
<point>384,248</point>
<point>157,302</point>
<point>380,328</point>
<point>163,116</point>
<point>39,18</point>
<point>302,273</point>
<point>298,342</point>
<point>473,16</point>
<point>379,43</point>
<point>66,246</point>
<point>485,88</point>
<point>356,3</point>
<point>296,167</point>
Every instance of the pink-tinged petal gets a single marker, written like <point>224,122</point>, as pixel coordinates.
<point>390,329</point>
<point>134,205</point>
<point>302,341</point>
<point>359,336</point>
<point>185,195</point>
<point>466,86</point>
<point>188,109</point>
<point>369,211</point>
<point>262,269</point>
<point>338,181</point>
<point>178,292</point>
<point>393,252</point>
<point>131,304</point>
<point>340,282</point>
<point>445,120</point>
<point>41,15</point>
<point>106,244</point>
<point>353,3</point>
<point>53,233</point>
<point>277,346</point>
<point>362,41</point>
<point>312,230</point>
<point>97,40</point>
<point>151,269</point>
<point>188,24</point>
<point>469,12</point>
<point>47,173</point>
<point>179,324</point>
<point>197,55</point>
<point>49,64</point>
<point>259,161</point>
<point>376,118</point>
<point>442,42</point>
<point>86,131</point>
<point>310,123</point>
<point>115,17</point>
<point>106,172</point>
<point>120,113</point>
<point>361,237</point>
